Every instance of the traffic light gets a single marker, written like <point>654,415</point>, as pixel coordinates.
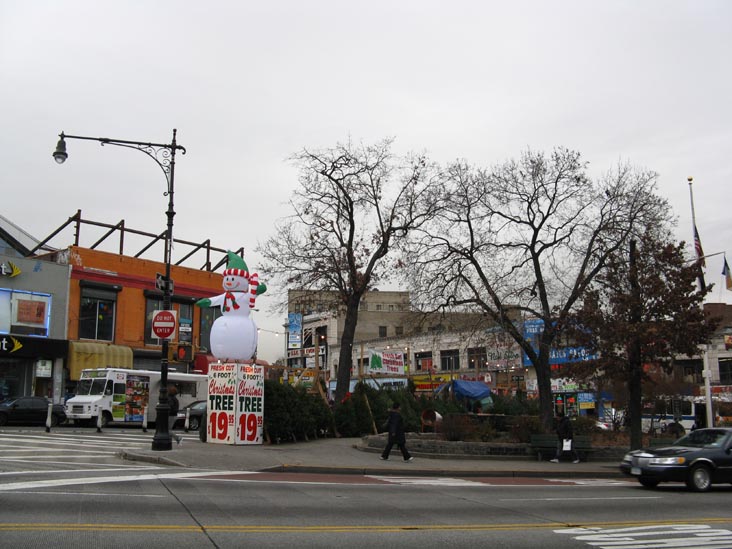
<point>183,353</point>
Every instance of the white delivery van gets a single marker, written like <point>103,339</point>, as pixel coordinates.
<point>121,395</point>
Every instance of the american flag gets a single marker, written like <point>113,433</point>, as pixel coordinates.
<point>698,248</point>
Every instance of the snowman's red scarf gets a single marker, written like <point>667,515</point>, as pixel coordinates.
<point>230,296</point>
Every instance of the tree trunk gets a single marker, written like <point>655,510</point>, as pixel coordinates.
<point>544,385</point>
<point>345,357</point>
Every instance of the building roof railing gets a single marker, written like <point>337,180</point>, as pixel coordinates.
<point>122,230</point>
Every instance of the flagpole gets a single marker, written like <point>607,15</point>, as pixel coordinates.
<point>697,240</point>
<point>706,372</point>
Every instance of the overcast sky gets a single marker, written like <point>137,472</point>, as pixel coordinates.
<point>249,83</point>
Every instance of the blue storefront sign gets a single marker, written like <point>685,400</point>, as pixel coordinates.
<point>533,329</point>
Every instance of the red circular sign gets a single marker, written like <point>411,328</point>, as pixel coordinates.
<point>163,324</point>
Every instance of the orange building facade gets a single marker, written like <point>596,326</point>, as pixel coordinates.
<point>111,301</point>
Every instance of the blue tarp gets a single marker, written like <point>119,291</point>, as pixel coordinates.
<point>476,390</point>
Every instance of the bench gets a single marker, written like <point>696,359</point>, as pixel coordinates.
<point>546,445</point>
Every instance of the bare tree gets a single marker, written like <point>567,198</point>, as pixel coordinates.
<point>527,238</point>
<point>354,205</point>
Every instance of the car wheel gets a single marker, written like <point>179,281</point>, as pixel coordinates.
<point>648,482</point>
<point>700,478</point>
<point>54,420</point>
<point>194,423</point>
<point>106,419</point>
<point>3,419</point>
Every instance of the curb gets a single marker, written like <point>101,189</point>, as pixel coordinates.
<point>131,456</point>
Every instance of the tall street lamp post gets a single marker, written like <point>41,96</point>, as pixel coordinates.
<point>164,155</point>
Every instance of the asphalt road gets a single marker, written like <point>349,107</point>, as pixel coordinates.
<point>82,495</point>
<point>168,509</point>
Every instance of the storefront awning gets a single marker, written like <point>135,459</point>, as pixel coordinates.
<point>88,354</point>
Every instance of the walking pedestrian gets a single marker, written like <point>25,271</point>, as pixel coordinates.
<point>395,430</point>
<point>564,433</point>
<point>173,405</point>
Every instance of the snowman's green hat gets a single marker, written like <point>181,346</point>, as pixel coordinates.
<point>236,266</point>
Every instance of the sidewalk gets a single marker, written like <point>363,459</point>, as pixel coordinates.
<point>349,456</point>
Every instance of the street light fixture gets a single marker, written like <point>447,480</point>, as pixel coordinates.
<point>164,156</point>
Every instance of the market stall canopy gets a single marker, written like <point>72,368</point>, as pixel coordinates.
<point>476,390</point>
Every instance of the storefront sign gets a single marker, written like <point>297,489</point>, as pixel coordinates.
<point>385,363</point>
<point>294,330</point>
<point>9,269</point>
<point>44,368</point>
<point>8,344</point>
<point>533,329</point>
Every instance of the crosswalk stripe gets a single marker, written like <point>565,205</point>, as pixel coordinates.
<point>103,480</point>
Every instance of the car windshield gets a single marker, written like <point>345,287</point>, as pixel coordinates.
<point>703,437</point>
<point>91,386</point>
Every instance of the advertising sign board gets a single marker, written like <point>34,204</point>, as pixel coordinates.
<point>235,403</point>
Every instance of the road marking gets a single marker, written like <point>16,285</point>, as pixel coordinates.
<point>696,536</point>
<point>102,480</point>
<point>101,468</point>
<point>360,528</point>
<point>92,494</point>
<point>425,481</point>
<point>575,498</point>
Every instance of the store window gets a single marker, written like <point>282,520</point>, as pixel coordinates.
<point>24,313</point>
<point>152,304</point>
<point>423,361</point>
<point>450,360</point>
<point>477,358</point>
<point>15,378</point>
<point>97,313</point>
<point>725,371</point>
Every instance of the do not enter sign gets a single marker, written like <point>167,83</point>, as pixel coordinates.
<point>163,324</point>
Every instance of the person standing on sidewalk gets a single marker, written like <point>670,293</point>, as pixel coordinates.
<point>565,432</point>
<point>173,413</point>
<point>395,430</point>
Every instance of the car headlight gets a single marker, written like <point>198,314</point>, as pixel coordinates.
<point>676,460</point>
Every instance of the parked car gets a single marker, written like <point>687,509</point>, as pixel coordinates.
<point>700,459</point>
<point>197,412</point>
<point>30,410</point>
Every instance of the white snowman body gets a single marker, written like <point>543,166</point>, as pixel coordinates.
<point>234,334</point>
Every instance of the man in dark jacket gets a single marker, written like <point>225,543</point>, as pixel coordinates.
<point>173,406</point>
<point>564,432</point>
<point>395,429</point>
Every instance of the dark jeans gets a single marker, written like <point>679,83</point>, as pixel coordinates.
<point>560,450</point>
<point>401,444</point>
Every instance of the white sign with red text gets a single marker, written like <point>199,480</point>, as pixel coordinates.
<point>250,404</point>
<point>235,403</point>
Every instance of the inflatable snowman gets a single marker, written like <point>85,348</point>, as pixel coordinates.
<point>234,334</point>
